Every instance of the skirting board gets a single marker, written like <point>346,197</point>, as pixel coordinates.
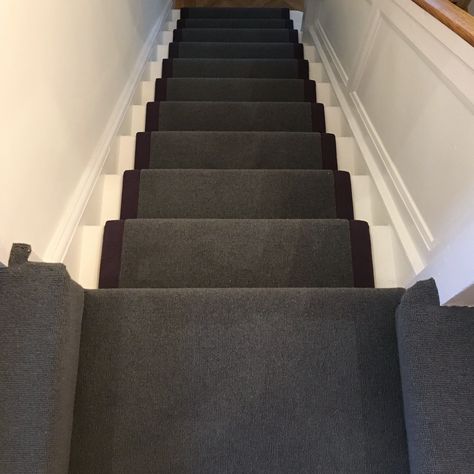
<point>74,210</point>
<point>369,145</point>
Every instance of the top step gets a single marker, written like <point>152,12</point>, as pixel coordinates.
<point>235,13</point>
<point>235,23</point>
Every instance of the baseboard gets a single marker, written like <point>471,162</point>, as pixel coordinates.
<point>406,220</point>
<point>64,232</point>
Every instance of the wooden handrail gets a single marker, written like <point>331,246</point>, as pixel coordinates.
<point>456,19</point>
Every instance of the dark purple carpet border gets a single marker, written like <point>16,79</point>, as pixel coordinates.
<point>362,266</point>
<point>343,195</point>
<point>130,193</point>
<point>111,254</point>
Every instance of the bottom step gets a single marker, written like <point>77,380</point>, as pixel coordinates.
<point>239,380</point>
<point>222,253</point>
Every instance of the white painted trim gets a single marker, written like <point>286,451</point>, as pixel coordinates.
<point>372,151</point>
<point>330,51</point>
<point>365,49</point>
<point>395,183</point>
<point>64,233</point>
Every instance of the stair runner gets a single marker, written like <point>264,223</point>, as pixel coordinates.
<point>240,331</point>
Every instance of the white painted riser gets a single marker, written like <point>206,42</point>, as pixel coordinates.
<point>83,259</point>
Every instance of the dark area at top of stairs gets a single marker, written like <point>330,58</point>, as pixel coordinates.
<point>240,330</point>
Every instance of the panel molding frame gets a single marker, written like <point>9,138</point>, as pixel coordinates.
<point>336,63</point>
<point>366,48</point>
<point>451,60</point>
<point>372,149</point>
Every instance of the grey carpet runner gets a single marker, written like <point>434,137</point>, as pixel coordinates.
<point>222,253</point>
<point>247,50</point>
<point>236,194</point>
<point>235,13</point>
<point>237,67</point>
<point>244,35</point>
<point>235,116</point>
<point>234,23</point>
<point>235,205</point>
<point>235,150</point>
<point>235,89</point>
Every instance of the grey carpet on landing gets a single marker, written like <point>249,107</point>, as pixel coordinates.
<point>235,89</point>
<point>222,68</point>
<point>236,150</point>
<point>239,380</point>
<point>235,194</point>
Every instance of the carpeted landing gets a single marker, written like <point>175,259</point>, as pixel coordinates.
<point>239,381</point>
<point>239,332</point>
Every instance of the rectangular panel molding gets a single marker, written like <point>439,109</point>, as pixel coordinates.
<point>404,81</point>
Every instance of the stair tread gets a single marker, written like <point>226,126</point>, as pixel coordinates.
<point>234,23</point>
<point>236,67</point>
<point>233,89</point>
<point>220,253</point>
<point>234,150</point>
<point>236,194</point>
<point>228,35</point>
<point>235,116</point>
<point>183,49</point>
<point>232,12</point>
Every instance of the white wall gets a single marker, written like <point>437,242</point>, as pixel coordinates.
<point>406,83</point>
<point>67,71</point>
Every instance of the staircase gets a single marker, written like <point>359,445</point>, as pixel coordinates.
<point>173,90</point>
<point>237,216</point>
<point>236,327</point>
